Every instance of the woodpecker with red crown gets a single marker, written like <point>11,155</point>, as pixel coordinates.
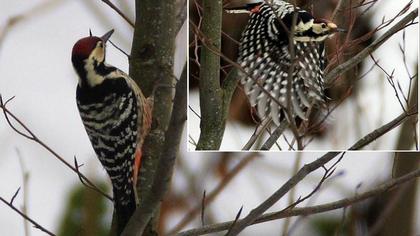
<point>117,118</point>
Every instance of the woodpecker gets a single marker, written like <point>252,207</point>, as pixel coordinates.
<point>265,57</point>
<point>116,116</point>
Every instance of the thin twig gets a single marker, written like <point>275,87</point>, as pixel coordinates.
<point>214,193</point>
<point>235,220</point>
<point>292,192</point>
<point>203,208</point>
<point>115,8</point>
<point>372,136</point>
<point>337,8</point>
<point>8,114</point>
<point>257,133</point>
<point>14,196</point>
<point>25,177</point>
<point>289,111</point>
<point>275,135</point>
<point>340,69</point>
<point>285,188</point>
<point>119,49</point>
<point>390,79</point>
<point>36,225</point>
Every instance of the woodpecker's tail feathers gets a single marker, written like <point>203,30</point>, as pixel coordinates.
<point>124,209</point>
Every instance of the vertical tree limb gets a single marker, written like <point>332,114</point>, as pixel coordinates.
<point>212,121</point>
<point>151,64</point>
<point>161,181</point>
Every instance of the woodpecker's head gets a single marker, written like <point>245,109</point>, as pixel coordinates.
<point>91,48</point>
<point>87,56</point>
<point>277,18</point>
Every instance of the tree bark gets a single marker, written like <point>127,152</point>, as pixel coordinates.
<point>212,124</point>
<point>151,64</point>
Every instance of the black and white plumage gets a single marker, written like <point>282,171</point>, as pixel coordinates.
<point>116,117</point>
<point>264,55</point>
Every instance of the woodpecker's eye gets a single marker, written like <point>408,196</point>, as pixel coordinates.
<point>323,25</point>
<point>100,44</point>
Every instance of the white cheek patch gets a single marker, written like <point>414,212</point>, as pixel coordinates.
<point>93,78</point>
<point>98,54</point>
<point>302,27</point>
<point>317,28</point>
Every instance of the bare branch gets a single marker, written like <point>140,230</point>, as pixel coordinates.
<point>214,193</point>
<point>340,69</point>
<point>372,136</point>
<point>337,8</point>
<point>115,8</point>
<point>36,225</point>
<point>259,130</point>
<point>8,114</point>
<point>203,207</point>
<point>275,135</point>
<point>301,174</point>
<point>119,49</point>
<point>313,209</point>
<point>25,177</point>
<point>235,220</point>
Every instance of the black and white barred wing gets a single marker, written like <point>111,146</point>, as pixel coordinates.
<point>265,84</point>
<point>264,55</point>
<point>266,78</point>
<point>310,65</point>
<point>112,130</point>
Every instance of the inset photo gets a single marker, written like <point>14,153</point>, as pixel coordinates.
<point>303,75</point>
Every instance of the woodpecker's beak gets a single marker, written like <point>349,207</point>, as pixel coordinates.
<point>333,27</point>
<point>106,36</point>
<point>341,30</point>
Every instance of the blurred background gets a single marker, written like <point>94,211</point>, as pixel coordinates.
<point>245,180</point>
<point>364,96</point>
